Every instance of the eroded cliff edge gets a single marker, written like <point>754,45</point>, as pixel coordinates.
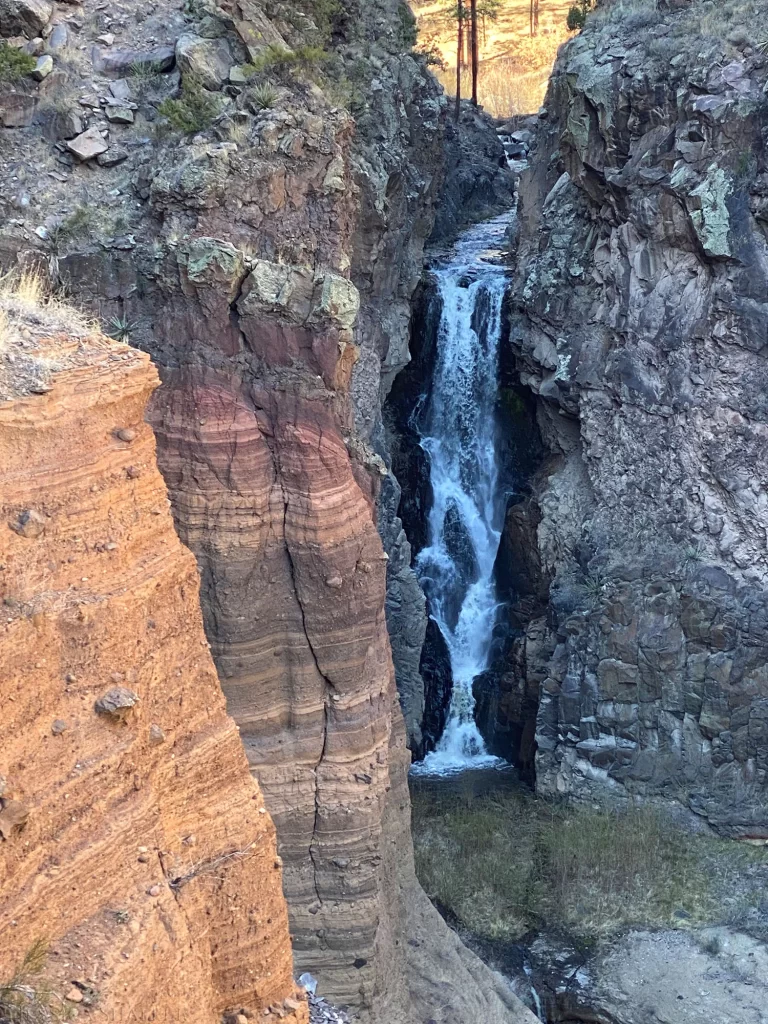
<point>132,835</point>
<point>639,322</point>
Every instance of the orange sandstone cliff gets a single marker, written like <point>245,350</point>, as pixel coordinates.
<point>132,835</point>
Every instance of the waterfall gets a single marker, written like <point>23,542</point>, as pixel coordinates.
<point>457,425</point>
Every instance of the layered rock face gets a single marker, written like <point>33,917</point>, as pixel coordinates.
<point>640,306</point>
<point>260,232</point>
<point>132,835</point>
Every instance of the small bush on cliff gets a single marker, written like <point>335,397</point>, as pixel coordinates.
<point>14,64</point>
<point>577,15</point>
<point>25,998</point>
<point>194,111</point>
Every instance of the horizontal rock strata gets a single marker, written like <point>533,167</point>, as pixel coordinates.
<point>144,852</point>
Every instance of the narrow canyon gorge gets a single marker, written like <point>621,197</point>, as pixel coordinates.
<point>345,441</point>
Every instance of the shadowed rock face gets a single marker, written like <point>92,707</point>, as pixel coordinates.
<point>293,580</point>
<point>640,304</point>
<point>146,854</point>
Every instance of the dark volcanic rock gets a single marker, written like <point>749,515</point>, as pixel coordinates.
<point>639,322</point>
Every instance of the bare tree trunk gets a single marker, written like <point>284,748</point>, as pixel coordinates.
<point>535,17</point>
<point>458,58</point>
<point>475,50</point>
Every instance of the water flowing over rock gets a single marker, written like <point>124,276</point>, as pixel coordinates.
<point>640,295</point>
<point>127,855</point>
<point>458,431</point>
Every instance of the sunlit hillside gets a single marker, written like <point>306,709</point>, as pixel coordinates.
<point>514,64</point>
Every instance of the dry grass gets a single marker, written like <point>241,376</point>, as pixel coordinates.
<point>30,313</point>
<point>27,301</point>
<point>514,66</point>
<point>506,864</point>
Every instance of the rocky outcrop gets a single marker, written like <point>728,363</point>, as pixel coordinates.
<point>132,835</point>
<point>640,299</point>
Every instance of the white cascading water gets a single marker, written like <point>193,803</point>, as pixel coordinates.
<point>458,430</point>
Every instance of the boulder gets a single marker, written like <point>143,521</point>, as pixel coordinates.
<point>67,124</point>
<point>117,113</point>
<point>254,28</point>
<point>207,60</point>
<point>16,109</point>
<point>88,144</point>
<point>114,155</point>
<point>122,62</point>
<point>43,68</point>
<point>24,17</point>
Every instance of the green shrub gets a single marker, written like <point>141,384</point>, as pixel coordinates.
<point>14,64</point>
<point>409,33</point>
<point>577,15</point>
<point>194,110</point>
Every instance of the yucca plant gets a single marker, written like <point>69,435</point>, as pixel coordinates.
<point>25,998</point>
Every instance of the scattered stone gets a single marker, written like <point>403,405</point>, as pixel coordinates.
<point>34,47</point>
<point>43,68</point>
<point>17,109</point>
<point>334,582</point>
<point>68,124</point>
<point>88,145</point>
<point>237,76</point>
<point>321,1012</point>
<point>26,18</point>
<point>118,114</point>
<point>3,784</point>
<point>121,89</point>
<point>108,39</point>
<point>125,434</point>
<point>132,472</point>
<point>207,60</point>
<point>156,735</point>
<point>58,727</point>
<point>74,995</point>
<point>114,155</point>
<point>30,524</point>
<point>154,890</point>
<point>58,38</point>
<point>13,816</point>
<point>117,703</point>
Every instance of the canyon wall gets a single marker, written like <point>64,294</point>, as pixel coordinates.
<point>254,217</point>
<point>132,836</point>
<point>639,313</point>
